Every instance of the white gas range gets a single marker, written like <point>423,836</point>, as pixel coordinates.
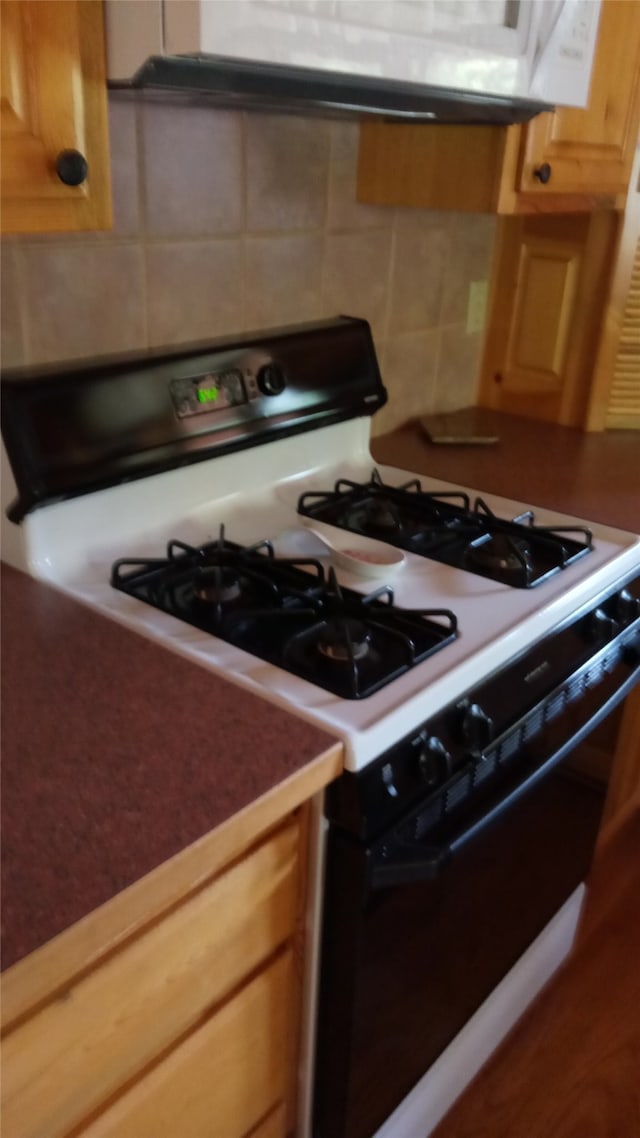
<point>495,621</point>
<point>146,459</point>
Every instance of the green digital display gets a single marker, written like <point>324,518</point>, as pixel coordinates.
<point>207,394</point>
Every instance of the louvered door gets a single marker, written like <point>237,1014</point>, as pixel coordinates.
<point>615,389</point>
<point>624,397</point>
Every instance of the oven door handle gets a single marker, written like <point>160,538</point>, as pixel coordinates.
<point>398,859</point>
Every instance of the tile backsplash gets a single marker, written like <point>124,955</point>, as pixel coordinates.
<point>226,221</point>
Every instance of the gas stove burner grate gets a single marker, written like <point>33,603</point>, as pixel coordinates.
<point>288,613</point>
<point>444,526</point>
<point>501,557</point>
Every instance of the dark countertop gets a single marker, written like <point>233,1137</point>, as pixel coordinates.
<point>117,754</point>
<point>594,476</point>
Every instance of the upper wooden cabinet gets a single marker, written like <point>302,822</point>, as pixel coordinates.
<point>53,100</point>
<point>566,161</point>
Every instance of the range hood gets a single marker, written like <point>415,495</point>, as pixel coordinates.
<point>252,84</point>
<point>476,61</point>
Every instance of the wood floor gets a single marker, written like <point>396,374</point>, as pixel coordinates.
<point>571,1069</point>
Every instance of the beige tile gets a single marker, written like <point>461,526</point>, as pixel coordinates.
<point>356,276</point>
<point>287,172</point>
<point>472,238</point>
<point>283,279</point>
<point>345,211</point>
<point>458,367</point>
<point>82,300</point>
<point>420,256</point>
<point>408,372</point>
<point>12,352</point>
<point>194,290</point>
<point>425,218</point>
<point>192,170</point>
<point>124,166</point>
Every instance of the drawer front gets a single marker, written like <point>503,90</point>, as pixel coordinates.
<point>66,1061</point>
<point>273,1126</point>
<point>224,1078</point>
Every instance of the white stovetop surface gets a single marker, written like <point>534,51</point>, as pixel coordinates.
<point>494,621</point>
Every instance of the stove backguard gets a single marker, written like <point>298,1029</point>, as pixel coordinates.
<point>80,427</point>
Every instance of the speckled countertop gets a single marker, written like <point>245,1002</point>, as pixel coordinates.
<point>116,755</point>
<point>595,476</point>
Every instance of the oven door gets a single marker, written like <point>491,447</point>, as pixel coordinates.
<point>421,925</point>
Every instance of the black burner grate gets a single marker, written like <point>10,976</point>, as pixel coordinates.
<point>288,613</point>
<point>446,527</point>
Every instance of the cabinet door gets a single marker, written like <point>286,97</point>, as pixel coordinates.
<point>53,99</point>
<point>71,1057</point>
<point>549,283</point>
<point>615,393</point>
<point>224,1078</point>
<point>591,150</point>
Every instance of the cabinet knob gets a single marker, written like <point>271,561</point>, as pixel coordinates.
<point>71,167</point>
<point>543,173</point>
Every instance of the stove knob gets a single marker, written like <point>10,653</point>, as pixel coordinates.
<point>434,761</point>
<point>476,727</point>
<point>271,379</point>
<point>601,627</point>
<point>627,607</point>
<point>388,780</point>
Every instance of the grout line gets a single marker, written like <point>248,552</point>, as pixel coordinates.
<point>20,274</point>
<point>391,266</point>
<point>325,231</point>
<point>142,216</point>
<point>244,220</point>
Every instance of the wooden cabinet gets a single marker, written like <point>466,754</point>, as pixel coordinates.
<point>591,150</point>
<point>53,100</point>
<point>190,1028</point>
<point>242,1052</point>
<point>549,285</point>
<point>588,152</point>
<point>624,787</point>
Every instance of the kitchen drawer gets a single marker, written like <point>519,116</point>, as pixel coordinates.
<point>273,1126</point>
<point>66,1061</point>
<point>223,1079</point>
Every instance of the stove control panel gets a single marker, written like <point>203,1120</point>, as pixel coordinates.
<point>255,377</point>
<point>270,379</point>
<point>590,660</point>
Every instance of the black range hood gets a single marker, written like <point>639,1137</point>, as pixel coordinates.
<point>277,87</point>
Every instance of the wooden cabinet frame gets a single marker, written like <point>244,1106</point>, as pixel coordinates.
<point>54,98</point>
<point>491,169</point>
